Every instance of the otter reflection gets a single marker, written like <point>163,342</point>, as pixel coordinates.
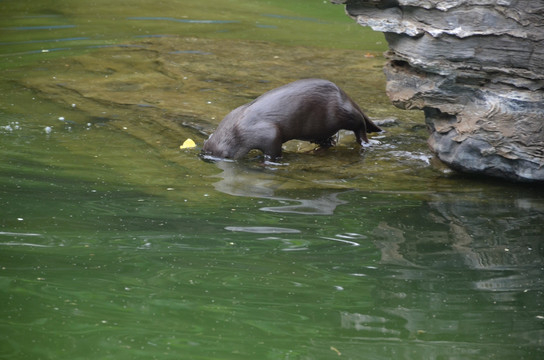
<point>238,179</point>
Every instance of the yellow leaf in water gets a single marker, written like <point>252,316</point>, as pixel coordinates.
<point>187,144</point>
<point>336,350</point>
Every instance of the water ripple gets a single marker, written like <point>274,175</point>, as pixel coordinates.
<point>8,233</point>
<point>197,52</point>
<point>262,229</point>
<point>41,27</point>
<point>346,238</point>
<point>187,21</point>
<point>44,41</point>
<point>23,244</point>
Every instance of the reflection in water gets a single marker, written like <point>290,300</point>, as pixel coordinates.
<point>462,253</point>
<point>325,205</point>
<point>348,238</point>
<point>239,180</point>
<point>369,323</point>
<point>262,229</point>
<point>481,235</point>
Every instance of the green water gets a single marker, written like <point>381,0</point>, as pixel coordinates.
<point>116,244</point>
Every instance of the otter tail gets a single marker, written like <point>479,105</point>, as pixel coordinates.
<point>370,126</point>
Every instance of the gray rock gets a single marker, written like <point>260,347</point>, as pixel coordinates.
<point>477,70</point>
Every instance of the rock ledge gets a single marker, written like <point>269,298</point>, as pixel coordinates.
<point>476,68</point>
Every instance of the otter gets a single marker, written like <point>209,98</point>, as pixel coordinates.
<point>310,110</point>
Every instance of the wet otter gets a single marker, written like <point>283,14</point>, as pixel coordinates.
<point>311,110</point>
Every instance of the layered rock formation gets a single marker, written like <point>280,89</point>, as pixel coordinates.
<point>476,68</point>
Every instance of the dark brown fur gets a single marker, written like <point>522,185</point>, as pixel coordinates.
<point>311,110</point>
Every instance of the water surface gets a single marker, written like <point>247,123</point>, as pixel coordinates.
<point>116,244</point>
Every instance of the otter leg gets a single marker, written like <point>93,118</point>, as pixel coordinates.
<point>272,152</point>
<point>360,136</point>
<point>326,143</point>
<point>271,147</point>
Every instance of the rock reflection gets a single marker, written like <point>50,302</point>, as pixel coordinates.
<point>461,264</point>
<point>361,322</point>
<point>238,179</point>
<point>453,231</point>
